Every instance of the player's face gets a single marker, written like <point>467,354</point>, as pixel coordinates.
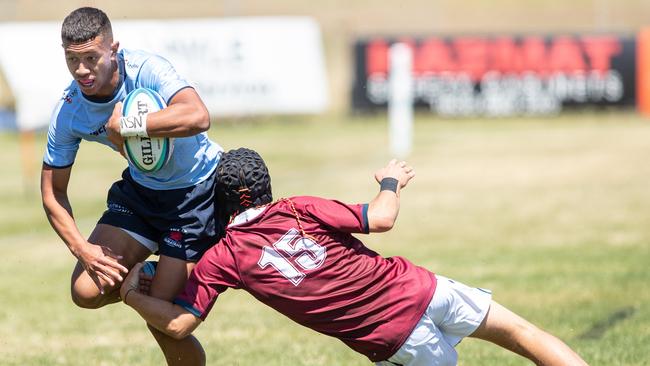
<point>93,65</point>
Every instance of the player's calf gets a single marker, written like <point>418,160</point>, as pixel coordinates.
<point>510,331</point>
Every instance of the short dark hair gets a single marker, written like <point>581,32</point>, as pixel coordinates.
<point>242,181</point>
<point>84,24</point>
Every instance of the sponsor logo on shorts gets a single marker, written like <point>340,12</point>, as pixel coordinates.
<point>114,207</point>
<point>174,238</point>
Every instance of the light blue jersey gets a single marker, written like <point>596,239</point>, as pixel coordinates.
<point>76,118</point>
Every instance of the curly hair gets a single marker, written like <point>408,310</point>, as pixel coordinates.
<point>243,181</point>
<point>84,24</point>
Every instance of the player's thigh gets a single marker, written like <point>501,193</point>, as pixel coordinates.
<point>457,309</point>
<point>504,328</point>
<point>171,275</point>
<point>120,243</point>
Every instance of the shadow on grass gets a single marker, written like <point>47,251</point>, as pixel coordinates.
<point>601,327</point>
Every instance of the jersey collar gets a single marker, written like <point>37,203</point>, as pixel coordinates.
<point>247,215</point>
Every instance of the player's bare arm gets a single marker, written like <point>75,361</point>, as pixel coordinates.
<point>98,261</point>
<point>163,315</point>
<point>384,208</point>
<point>186,115</point>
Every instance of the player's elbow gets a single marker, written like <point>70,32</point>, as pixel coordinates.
<point>182,324</point>
<point>46,206</point>
<point>196,120</point>
<point>48,201</point>
<point>201,120</point>
<point>380,224</point>
<point>177,329</point>
<point>382,213</point>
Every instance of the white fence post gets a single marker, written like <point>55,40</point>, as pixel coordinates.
<point>400,102</point>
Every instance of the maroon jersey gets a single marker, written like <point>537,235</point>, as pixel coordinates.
<point>303,262</point>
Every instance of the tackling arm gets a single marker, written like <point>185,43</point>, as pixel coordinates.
<point>384,208</point>
<point>163,315</point>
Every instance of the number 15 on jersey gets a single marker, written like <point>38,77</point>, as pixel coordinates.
<point>291,255</point>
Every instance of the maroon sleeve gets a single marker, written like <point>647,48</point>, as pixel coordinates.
<point>213,274</point>
<point>337,215</point>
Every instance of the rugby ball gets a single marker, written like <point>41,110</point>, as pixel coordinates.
<point>147,154</point>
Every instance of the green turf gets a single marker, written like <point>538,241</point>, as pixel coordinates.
<point>551,214</point>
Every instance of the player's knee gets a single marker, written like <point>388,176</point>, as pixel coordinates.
<point>87,299</point>
<point>84,301</point>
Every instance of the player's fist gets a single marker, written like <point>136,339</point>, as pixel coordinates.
<point>399,170</point>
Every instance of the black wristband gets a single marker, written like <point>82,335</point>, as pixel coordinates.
<point>388,184</point>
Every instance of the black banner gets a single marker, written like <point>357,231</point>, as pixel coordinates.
<point>503,75</point>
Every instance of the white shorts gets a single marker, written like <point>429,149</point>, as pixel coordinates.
<point>455,311</point>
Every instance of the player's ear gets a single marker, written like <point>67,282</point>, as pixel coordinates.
<point>114,47</point>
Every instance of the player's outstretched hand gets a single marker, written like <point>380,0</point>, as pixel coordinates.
<point>102,265</point>
<point>113,129</point>
<point>131,282</point>
<point>399,170</point>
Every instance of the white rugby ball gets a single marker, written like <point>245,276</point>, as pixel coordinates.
<point>147,154</point>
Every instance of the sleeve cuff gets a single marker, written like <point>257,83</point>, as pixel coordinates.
<point>364,213</point>
<point>57,167</point>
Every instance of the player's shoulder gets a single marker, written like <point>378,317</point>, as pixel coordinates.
<point>318,205</point>
<point>135,59</point>
<point>305,199</point>
<point>69,102</point>
<point>304,203</point>
<point>71,93</point>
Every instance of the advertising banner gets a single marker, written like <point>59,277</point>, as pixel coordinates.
<point>240,66</point>
<point>503,75</point>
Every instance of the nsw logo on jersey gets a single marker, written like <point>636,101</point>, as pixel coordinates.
<point>67,97</point>
<point>292,255</point>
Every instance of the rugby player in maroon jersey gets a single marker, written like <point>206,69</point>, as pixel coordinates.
<point>298,256</point>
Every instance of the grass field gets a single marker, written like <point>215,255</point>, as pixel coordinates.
<point>551,214</point>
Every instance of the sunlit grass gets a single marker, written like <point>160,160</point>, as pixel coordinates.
<point>551,214</point>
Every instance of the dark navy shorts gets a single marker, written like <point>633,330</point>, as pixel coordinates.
<point>180,221</point>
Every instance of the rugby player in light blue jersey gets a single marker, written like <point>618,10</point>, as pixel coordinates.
<point>170,211</point>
